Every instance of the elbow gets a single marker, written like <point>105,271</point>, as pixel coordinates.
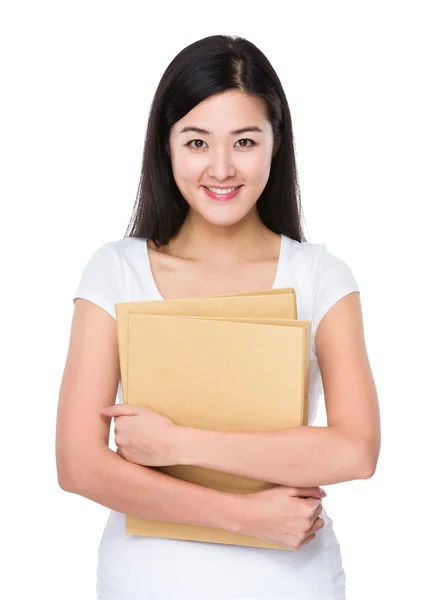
<point>65,466</point>
<point>80,474</point>
<point>368,470</point>
<point>65,484</point>
<point>72,478</point>
<point>368,453</point>
<point>63,470</point>
<point>77,484</point>
<point>64,480</point>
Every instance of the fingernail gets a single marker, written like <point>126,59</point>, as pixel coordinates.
<point>323,492</point>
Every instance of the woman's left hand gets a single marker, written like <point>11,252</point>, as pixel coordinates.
<point>143,436</point>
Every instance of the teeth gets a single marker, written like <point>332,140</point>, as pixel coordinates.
<point>219,191</point>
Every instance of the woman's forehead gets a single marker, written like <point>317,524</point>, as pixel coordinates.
<point>228,113</point>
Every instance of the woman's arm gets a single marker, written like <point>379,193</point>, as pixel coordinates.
<point>85,464</point>
<point>346,449</point>
<point>146,493</point>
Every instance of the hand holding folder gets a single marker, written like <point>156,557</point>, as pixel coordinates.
<point>237,362</point>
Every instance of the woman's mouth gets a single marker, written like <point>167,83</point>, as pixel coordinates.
<point>222,194</point>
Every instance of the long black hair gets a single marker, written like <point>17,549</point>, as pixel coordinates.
<point>210,66</point>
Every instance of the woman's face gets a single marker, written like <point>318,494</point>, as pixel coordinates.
<point>220,156</point>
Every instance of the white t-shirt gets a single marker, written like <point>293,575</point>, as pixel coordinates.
<point>143,568</point>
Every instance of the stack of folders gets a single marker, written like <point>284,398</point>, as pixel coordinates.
<point>235,362</point>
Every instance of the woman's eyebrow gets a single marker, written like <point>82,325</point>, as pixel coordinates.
<point>235,132</point>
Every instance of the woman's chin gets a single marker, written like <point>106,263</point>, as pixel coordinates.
<point>224,217</point>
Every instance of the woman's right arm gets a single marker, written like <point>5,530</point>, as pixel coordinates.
<point>88,467</point>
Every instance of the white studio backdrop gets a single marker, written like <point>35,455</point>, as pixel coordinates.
<point>78,79</point>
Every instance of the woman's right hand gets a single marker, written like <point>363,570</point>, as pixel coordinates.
<point>287,516</point>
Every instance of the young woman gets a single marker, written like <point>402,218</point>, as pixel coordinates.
<point>218,211</point>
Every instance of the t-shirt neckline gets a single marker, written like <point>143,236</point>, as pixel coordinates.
<point>158,296</point>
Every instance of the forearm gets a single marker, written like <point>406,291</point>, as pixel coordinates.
<point>301,456</point>
<point>147,493</point>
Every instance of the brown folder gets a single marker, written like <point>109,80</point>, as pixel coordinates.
<point>237,362</point>
<point>280,303</point>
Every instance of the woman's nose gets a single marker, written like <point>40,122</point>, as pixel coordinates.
<point>221,165</point>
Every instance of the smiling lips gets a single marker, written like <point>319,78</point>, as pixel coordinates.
<point>223,194</point>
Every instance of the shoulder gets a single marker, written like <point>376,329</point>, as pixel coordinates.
<point>122,248</point>
<point>105,273</point>
<point>324,276</point>
<point>319,263</point>
<point>303,258</point>
<point>332,276</point>
<point>312,253</point>
<point>305,253</point>
<point>332,280</point>
<point>115,255</point>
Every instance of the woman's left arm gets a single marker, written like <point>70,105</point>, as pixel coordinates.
<point>347,449</point>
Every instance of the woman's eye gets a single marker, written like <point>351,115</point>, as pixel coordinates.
<point>199,147</point>
<point>195,147</point>
<point>252,142</point>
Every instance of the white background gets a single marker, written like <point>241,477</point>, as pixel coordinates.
<point>78,80</point>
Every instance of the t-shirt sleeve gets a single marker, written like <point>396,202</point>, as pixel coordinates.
<point>101,281</point>
<point>332,280</point>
